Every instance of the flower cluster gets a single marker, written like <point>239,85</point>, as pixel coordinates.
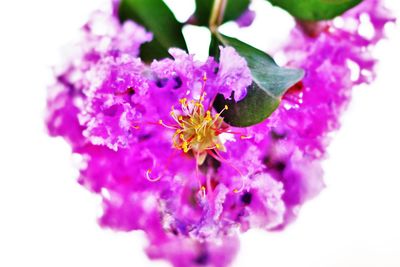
<point>165,162</point>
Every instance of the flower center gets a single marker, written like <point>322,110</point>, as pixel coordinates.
<point>197,130</point>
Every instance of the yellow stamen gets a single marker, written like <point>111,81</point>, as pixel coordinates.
<point>185,147</point>
<point>208,116</point>
<point>183,102</point>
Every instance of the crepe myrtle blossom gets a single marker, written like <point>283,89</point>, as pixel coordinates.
<point>165,162</point>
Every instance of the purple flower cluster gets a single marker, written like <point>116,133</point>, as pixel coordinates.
<point>164,161</point>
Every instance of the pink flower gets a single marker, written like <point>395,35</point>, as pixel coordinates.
<point>163,159</point>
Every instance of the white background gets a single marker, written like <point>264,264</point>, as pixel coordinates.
<point>47,219</point>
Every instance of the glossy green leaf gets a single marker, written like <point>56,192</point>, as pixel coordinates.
<point>233,10</point>
<point>270,82</point>
<point>157,18</point>
<point>253,109</point>
<point>314,10</point>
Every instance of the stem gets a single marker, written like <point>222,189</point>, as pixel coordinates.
<point>217,14</point>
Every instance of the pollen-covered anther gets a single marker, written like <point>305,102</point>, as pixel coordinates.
<point>208,116</point>
<point>185,146</point>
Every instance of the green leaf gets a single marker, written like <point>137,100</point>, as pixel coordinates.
<point>157,18</point>
<point>153,50</point>
<point>270,82</point>
<point>266,73</point>
<point>253,109</point>
<point>314,10</point>
<point>233,10</point>
<point>213,49</point>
